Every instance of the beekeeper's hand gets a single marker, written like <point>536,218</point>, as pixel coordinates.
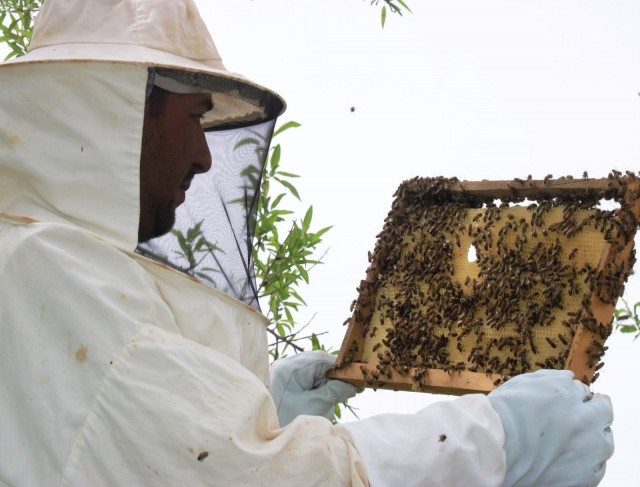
<point>557,433</point>
<point>299,385</point>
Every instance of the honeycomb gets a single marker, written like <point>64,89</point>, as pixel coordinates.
<point>471,283</point>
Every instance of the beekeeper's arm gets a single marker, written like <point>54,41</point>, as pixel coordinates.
<point>556,433</point>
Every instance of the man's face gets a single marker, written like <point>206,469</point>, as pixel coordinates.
<point>174,149</point>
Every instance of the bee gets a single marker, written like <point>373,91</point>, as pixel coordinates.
<point>459,367</point>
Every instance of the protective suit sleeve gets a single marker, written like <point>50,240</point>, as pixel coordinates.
<point>299,385</point>
<point>450,443</point>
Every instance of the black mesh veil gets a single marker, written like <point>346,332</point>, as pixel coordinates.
<point>213,235</point>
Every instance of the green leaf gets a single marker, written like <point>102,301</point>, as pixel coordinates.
<point>277,201</point>
<point>315,343</point>
<point>290,187</point>
<point>322,231</point>
<point>299,298</point>
<point>628,329</point>
<point>246,141</point>
<point>383,15</point>
<point>275,157</point>
<point>306,221</point>
<point>337,410</point>
<point>304,274</point>
<point>286,126</point>
<point>194,231</point>
<point>406,7</point>
<point>288,174</point>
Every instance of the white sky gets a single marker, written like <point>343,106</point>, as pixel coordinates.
<point>474,89</point>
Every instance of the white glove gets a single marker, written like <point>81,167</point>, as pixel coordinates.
<point>557,433</point>
<point>299,385</point>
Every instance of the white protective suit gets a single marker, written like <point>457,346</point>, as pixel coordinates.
<point>117,370</point>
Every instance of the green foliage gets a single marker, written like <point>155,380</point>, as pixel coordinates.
<point>284,251</point>
<point>394,6</point>
<point>16,24</point>
<point>626,318</point>
<point>194,248</point>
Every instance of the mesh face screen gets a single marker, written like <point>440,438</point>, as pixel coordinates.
<point>212,238</point>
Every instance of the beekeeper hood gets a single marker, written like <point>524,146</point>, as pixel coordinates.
<point>71,117</point>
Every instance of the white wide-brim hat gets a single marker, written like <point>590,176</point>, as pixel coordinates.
<point>168,36</point>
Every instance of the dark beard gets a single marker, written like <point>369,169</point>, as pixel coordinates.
<point>163,219</point>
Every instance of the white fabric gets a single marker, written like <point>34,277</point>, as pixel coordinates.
<point>299,385</point>
<point>70,145</point>
<point>451,444</point>
<point>558,434</point>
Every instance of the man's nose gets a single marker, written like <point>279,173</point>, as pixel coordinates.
<point>203,154</point>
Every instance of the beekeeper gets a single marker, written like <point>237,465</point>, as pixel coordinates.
<point>116,368</point>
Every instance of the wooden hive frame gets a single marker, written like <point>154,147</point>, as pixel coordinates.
<point>401,336</point>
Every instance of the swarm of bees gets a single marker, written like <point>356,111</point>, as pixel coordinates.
<point>491,279</point>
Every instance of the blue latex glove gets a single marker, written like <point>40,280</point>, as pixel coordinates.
<point>557,433</point>
<point>299,385</point>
